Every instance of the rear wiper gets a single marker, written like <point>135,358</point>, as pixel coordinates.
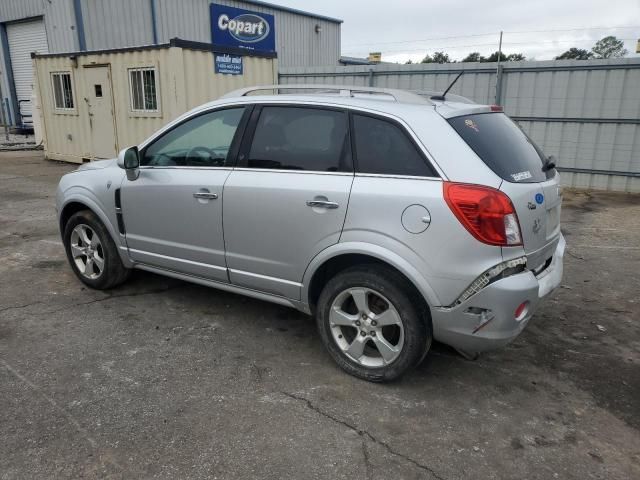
<point>549,163</point>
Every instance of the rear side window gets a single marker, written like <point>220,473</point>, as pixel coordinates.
<point>383,147</point>
<point>502,146</point>
<point>295,138</point>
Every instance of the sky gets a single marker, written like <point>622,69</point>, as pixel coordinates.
<point>540,29</point>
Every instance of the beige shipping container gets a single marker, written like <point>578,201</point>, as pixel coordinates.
<point>92,104</point>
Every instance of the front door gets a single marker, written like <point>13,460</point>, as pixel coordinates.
<point>173,210</point>
<point>287,199</point>
<point>100,105</point>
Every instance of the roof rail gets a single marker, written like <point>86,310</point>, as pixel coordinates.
<point>344,90</point>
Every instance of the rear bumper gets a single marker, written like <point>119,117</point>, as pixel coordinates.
<point>473,332</point>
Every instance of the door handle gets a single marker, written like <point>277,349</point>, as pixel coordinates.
<point>322,204</point>
<point>205,195</point>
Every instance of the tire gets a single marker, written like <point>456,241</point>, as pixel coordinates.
<point>407,330</point>
<point>78,236</point>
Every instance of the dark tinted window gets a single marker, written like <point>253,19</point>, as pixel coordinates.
<point>383,147</point>
<point>294,138</point>
<point>500,143</point>
<point>203,141</point>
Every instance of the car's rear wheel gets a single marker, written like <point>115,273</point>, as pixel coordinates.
<point>372,323</point>
<point>91,252</point>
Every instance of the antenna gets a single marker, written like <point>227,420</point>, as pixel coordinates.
<point>441,97</point>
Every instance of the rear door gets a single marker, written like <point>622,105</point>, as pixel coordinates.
<point>286,200</point>
<point>535,193</point>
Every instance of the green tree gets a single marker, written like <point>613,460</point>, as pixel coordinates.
<point>515,57</point>
<point>473,57</point>
<point>408,62</point>
<point>438,57</point>
<point>512,57</point>
<point>575,54</point>
<point>609,47</point>
<point>494,57</point>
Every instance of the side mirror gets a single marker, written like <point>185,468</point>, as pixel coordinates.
<point>129,159</point>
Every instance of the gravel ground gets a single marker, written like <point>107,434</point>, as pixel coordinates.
<point>164,379</point>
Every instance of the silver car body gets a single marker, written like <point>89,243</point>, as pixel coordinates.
<point>259,236</point>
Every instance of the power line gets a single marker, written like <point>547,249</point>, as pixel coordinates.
<point>515,32</point>
<point>504,43</point>
<point>424,39</point>
<point>574,29</point>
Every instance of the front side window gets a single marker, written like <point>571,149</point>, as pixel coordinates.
<point>62,91</point>
<point>142,89</point>
<point>382,147</point>
<point>295,138</point>
<point>203,141</point>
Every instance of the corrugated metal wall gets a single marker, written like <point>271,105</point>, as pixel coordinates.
<point>186,79</point>
<point>586,113</point>
<point>125,23</point>
<point>59,24</point>
<point>117,23</point>
<point>297,42</point>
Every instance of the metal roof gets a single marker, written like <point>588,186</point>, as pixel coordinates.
<point>292,10</point>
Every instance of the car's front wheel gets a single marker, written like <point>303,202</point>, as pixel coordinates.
<point>372,324</point>
<point>91,252</point>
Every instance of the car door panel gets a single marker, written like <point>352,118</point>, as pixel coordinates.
<point>173,210</point>
<point>176,230</point>
<point>287,199</point>
<point>271,233</point>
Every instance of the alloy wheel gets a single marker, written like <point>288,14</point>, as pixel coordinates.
<point>366,327</point>
<point>87,251</point>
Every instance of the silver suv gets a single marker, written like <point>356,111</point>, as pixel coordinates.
<point>393,217</point>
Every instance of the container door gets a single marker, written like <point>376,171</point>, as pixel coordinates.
<point>100,104</point>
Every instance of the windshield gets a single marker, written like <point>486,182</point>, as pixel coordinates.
<point>502,146</point>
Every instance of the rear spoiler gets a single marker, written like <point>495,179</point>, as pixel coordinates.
<point>454,109</point>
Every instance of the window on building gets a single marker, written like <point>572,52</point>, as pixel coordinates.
<point>62,91</point>
<point>383,147</point>
<point>294,138</point>
<point>142,89</point>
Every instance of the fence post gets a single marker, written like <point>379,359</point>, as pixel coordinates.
<point>499,73</point>
<point>371,74</point>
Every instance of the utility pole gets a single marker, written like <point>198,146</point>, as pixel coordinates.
<point>498,97</point>
<point>500,49</point>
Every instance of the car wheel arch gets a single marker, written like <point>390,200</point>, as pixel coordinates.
<point>340,256</point>
<point>76,203</point>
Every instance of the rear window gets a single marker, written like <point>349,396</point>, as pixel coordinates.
<point>502,146</point>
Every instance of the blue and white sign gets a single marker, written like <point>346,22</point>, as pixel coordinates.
<point>224,63</point>
<point>235,27</point>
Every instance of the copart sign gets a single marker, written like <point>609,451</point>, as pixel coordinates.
<point>235,27</point>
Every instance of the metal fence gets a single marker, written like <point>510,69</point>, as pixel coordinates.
<point>586,113</point>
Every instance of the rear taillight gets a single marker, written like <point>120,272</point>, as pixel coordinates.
<point>485,212</point>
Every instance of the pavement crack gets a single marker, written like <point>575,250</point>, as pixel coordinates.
<point>367,462</point>
<point>365,435</point>
<point>18,307</point>
<point>104,299</point>
<point>53,403</point>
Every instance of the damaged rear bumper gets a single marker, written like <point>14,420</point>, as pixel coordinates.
<point>488,320</point>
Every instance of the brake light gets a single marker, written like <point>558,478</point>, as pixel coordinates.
<point>496,108</point>
<point>485,212</point>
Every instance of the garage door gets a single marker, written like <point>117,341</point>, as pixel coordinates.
<point>24,38</point>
